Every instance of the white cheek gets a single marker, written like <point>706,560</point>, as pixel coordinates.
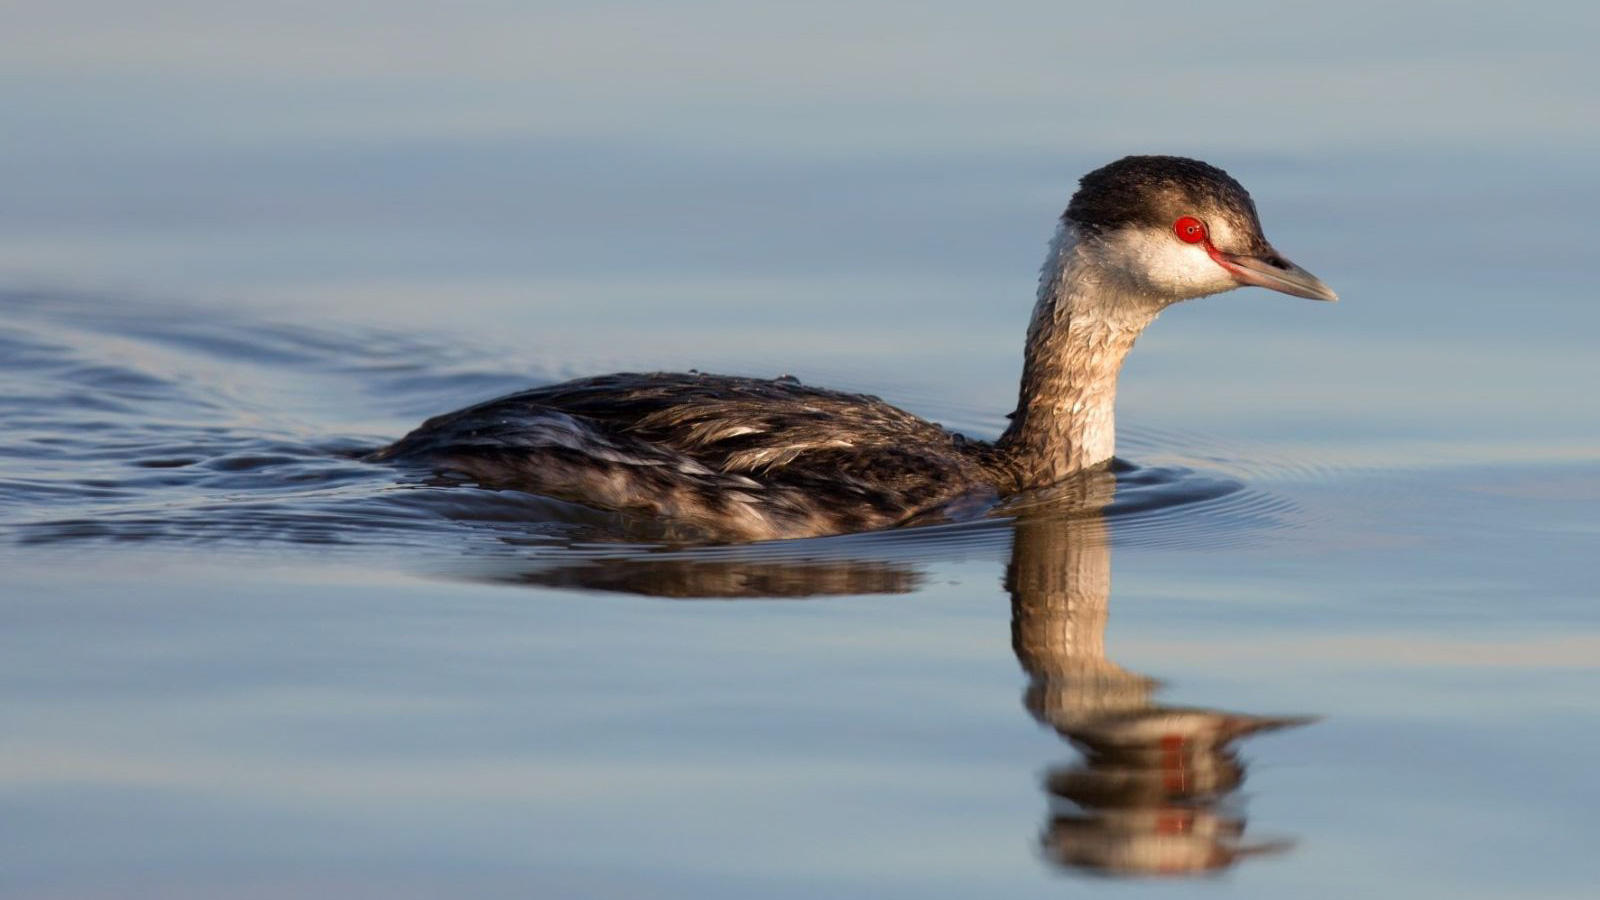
<point>1164,267</point>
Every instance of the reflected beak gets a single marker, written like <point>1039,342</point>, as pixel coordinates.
<point>1275,273</point>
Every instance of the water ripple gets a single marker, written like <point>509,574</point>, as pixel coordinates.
<point>130,422</point>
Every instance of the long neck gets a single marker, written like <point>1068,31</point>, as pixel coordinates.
<point>1084,324</point>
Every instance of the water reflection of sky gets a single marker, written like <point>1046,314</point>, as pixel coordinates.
<point>735,181</point>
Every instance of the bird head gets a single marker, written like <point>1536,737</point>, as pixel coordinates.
<point>1172,229</point>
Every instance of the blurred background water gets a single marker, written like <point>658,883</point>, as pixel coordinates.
<point>237,243</point>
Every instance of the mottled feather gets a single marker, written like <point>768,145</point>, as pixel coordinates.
<point>741,458</point>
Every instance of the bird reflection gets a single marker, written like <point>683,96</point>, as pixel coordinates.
<point>746,579</point>
<point>1154,791</point>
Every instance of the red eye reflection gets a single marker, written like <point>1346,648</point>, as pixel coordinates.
<point>1189,229</point>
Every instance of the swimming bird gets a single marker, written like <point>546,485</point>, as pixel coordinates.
<point>736,458</point>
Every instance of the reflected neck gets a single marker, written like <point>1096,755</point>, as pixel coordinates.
<point>1084,323</point>
<point>1060,584</point>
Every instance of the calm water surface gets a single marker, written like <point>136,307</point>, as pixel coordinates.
<point>239,663</point>
<point>1333,633</point>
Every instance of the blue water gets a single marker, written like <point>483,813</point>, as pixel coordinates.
<point>239,246</point>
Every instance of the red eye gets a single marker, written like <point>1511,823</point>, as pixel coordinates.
<point>1189,229</point>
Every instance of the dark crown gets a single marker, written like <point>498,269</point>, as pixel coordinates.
<point>1152,191</point>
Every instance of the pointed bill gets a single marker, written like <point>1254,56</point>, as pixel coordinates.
<point>1275,273</point>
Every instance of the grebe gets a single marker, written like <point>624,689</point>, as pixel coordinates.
<point>752,459</point>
